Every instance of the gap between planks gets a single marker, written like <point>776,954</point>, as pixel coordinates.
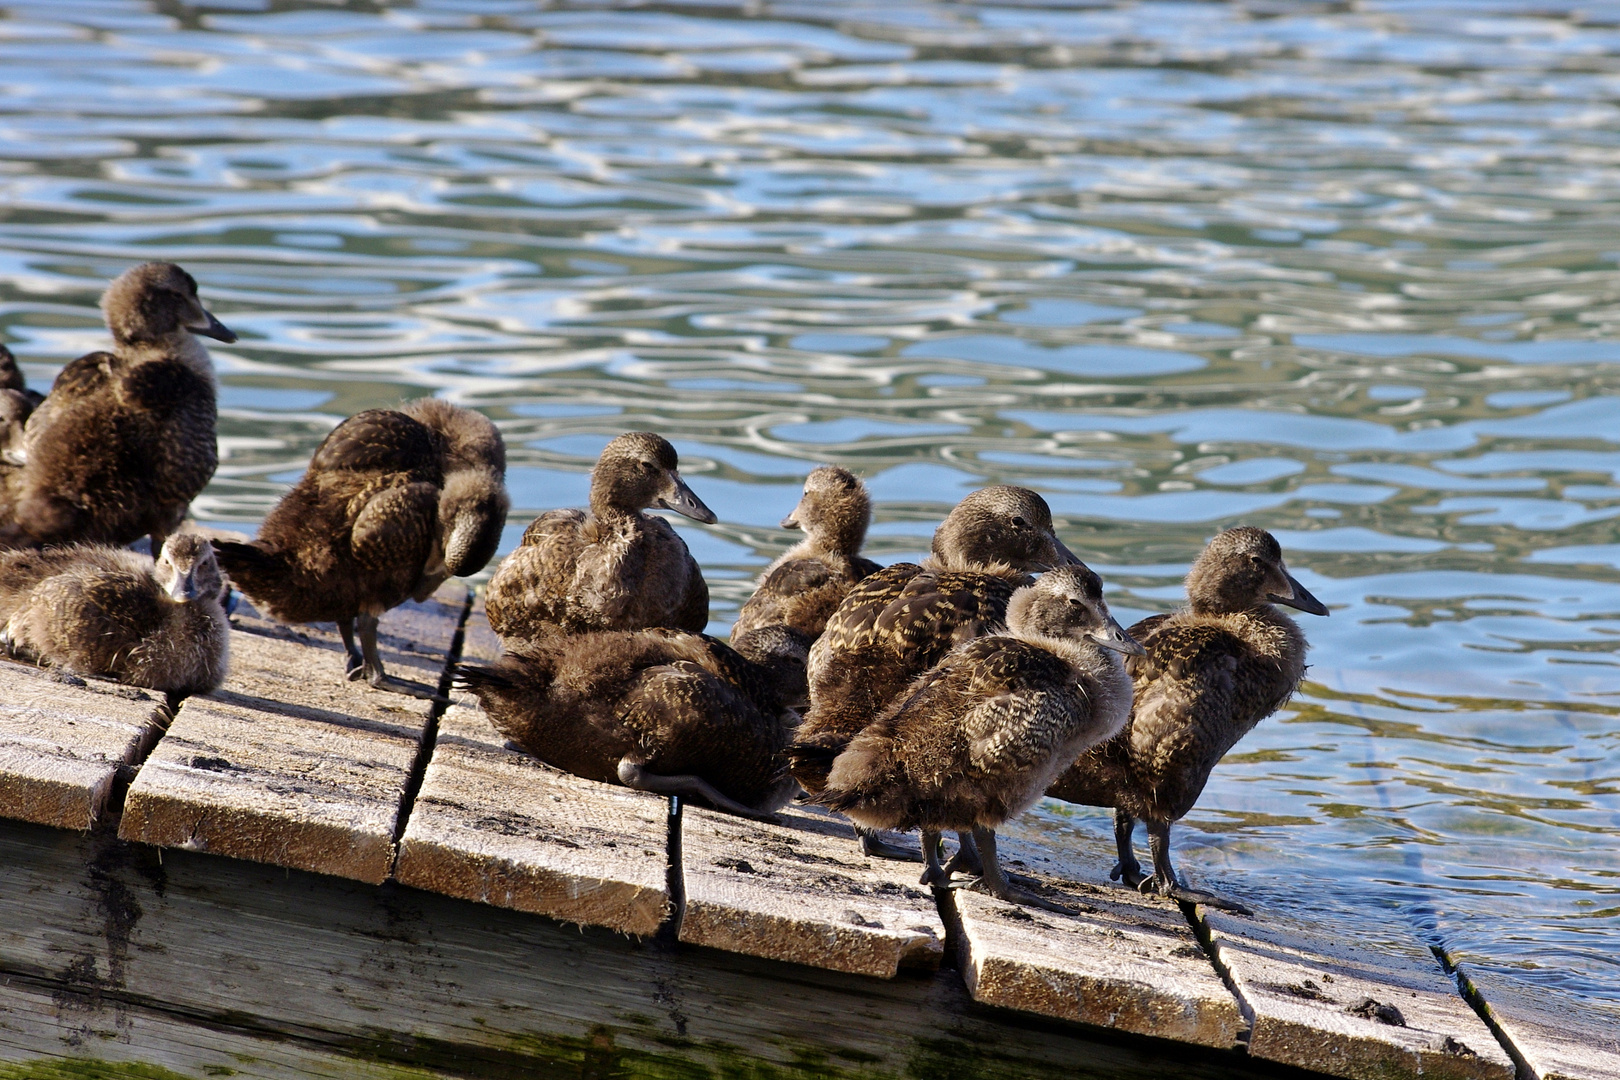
<point>430,730</point>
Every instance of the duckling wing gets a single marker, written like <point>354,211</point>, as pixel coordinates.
<point>693,614</point>
<point>935,612</point>
<point>529,592</point>
<point>801,593</point>
<point>853,623</point>
<point>688,721</point>
<point>1188,711</point>
<point>392,538</point>
<point>380,440</point>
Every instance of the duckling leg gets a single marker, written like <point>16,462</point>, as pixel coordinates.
<point>934,873</point>
<point>633,775</point>
<point>966,858</point>
<point>874,845</point>
<point>1165,882</point>
<point>353,663</point>
<point>372,668</point>
<point>1127,871</point>
<point>995,881</point>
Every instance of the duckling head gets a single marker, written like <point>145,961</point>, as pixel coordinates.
<point>1242,569</point>
<point>155,303</point>
<point>471,439</point>
<point>1000,524</point>
<point>785,653</point>
<point>639,470</point>
<point>472,509</point>
<point>1068,603</point>
<point>187,569</point>
<point>834,511</point>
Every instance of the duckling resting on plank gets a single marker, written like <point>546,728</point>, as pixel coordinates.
<point>114,613</point>
<point>658,710</point>
<point>904,619</point>
<point>393,504</point>
<point>976,740</point>
<point>611,567</point>
<point>125,440</point>
<point>1210,673</point>
<point>805,586</point>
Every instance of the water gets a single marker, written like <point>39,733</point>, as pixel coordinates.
<point>1349,275</point>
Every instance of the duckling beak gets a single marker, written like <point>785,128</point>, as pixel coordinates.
<point>792,520</point>
<point>213,328</point>
<point>1299,597</point>
<point>183,589</point>
<point>682,501</point>
<point>1057,556</point>
<point>1111,635</point>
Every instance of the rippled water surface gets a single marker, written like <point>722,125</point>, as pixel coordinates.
<point>1349,275</point>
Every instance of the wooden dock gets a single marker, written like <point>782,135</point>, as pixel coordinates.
<point>299,876</point>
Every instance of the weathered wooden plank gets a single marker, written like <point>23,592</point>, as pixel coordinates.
<point>1560,1037</point>
<point>288,763</point>
<point>61,745</point>
<point>494,825</point>
<point>481,644</point>
<point>1350,1010</point>
<point>429,984</point>
<point>801,891</point>
<point>1125,962</point>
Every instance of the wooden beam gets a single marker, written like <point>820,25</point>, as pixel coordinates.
<point>1125,962</point>
<point>289,763</point>
<point>62,743</point>
<point>801,891</point>
<point>1559,1036</point>
<point>1349,1010</point>
<point>167,958</point>
<point>495,825</point>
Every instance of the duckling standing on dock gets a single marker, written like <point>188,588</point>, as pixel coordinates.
<point>977,739</point>
<point>394,503</point>
<point>114,613</point>
<point>657,710</point>
<point>611,567</point>
<point>1210,674</point>
<point>125,440</point>
<point>805,586</point>
<point>904,619</point>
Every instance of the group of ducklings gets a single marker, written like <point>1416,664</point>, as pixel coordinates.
<point>393,504</point>
<point>945,696</point>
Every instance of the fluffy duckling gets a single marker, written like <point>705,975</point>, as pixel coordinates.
<point>125,440</point>
<point>611,567</point>
<point>1210,674</point>
<point>114,613</point>
<point>977,739</point>
<point>393,504</point>
<point>904,619</point>
<point>17,403</point>
<point>657,710</point>
<point>805,586</point>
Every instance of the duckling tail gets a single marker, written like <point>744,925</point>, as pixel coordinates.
<point>255,570</point>
<point>809,764</point>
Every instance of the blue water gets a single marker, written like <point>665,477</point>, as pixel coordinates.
<point>1349,275</point>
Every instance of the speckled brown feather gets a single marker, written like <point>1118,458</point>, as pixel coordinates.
<point>364,525</point>
<point>892,627</point>
<point>125,439</point>
<point>674,702</point>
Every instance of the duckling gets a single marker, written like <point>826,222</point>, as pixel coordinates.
<point>393,504</point>
<point>1210,674</point>
<point>125,440</point>
<point>114,613</point>
<point>17,402</point>
<point>657,710</point>
<point>611,567</point>
<point>904,619</point>
<point>976,740</point>
<point>805,586</point>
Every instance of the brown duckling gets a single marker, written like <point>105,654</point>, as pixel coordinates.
<point>611,567</point>
<point>17,403</point>
<point>657,710</point>
<point>904,619</point>
<point>805,586</point>
<point>114,613</point>
<point>976,740</point>
<point>1210,674</point>
<point>125,440</point>
<point>393,504</point>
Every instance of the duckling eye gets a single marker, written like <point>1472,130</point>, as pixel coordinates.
<point>647,466</point>
<point>1257,560</point>
<point>1019,523</point>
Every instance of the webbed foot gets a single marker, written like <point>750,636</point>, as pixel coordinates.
<point>390,684</point>
<point>878,848</point>
<point>1155,886</point>
<point>1130,876</point>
